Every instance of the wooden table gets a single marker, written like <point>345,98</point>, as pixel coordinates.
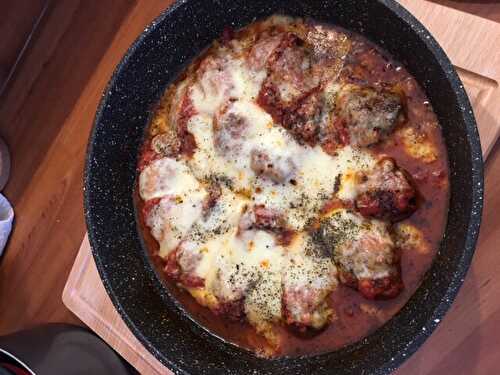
<point>46,112</point>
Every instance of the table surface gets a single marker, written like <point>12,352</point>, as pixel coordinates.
<point>46,114</point>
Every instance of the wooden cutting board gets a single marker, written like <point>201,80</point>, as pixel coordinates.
<point>469,41</point>
<point>473,45</point>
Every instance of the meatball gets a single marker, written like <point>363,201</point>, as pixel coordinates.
<point>306,284</point>
<point>234,310</point>
<point>305,308</point>
<point>300,67</point>
<point>276,167</point>
<point>261,217</point>
<point>229,291</point>
<point>385,287</point>
<point>264,49</point>
<point>187,143</point>
<point>369,114</point>
<point>303,119</point>
<point>180,266</point>
<point>268,219</point>
<point>364,252</point>
<point>386,193</point>
<point>230,130</point>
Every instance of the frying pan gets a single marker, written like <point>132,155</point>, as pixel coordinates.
<point>155,60</point>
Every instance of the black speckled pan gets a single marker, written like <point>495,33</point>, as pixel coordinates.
<point>160,53</point>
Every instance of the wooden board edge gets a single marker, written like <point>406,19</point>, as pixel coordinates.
<point>118,336</point>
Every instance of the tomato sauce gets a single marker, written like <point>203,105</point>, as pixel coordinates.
<point>356,316</point>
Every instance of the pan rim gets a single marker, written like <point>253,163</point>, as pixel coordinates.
<point>472,226</point>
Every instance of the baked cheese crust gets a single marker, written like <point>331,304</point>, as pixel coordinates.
<point>260,183</point>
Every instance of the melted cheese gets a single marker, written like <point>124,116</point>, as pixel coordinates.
<point>314,173</point>
<point>418,145</point>
<point>211,236</point>
<point>410,238</point>
<point>349,187</point>
<point>314,182</point>
<point>307,280</point>
<point>363,247</point>
<point>230,79</point>
<point>251,265</point>
<point>237,263</point>
<point>166,177</point>
<point>172,219</point>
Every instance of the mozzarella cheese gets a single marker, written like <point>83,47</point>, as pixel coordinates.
<point>418,145</point>
<point>312,171</point>
<point>166,177</point>
<point>236,140</point>
<point>228,78</point>
<point>315,179</point>
<point>363,247</point>
<point>173,217</point>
